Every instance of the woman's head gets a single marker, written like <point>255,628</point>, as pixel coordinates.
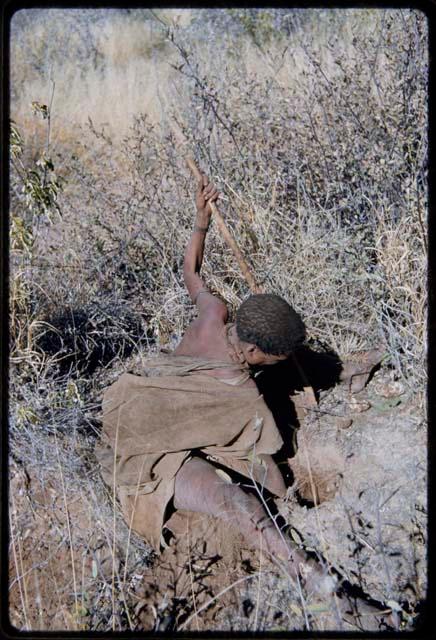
<point>268,322</point>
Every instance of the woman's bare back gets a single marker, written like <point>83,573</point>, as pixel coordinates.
<point>212,340</point>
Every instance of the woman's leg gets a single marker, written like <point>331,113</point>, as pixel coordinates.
<point>199,488</point>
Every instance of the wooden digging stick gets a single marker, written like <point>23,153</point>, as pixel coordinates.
<point>227,236</point>
<point>254,287</point>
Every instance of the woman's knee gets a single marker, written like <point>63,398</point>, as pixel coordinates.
<point>195,486</point>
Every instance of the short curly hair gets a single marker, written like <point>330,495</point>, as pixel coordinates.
<point>269,322</point>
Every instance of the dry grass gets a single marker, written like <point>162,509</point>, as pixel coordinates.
<point>312,123</point>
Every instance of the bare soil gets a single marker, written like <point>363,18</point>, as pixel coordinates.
<point>72,576</point>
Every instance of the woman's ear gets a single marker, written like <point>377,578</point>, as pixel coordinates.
<point>254,354</point>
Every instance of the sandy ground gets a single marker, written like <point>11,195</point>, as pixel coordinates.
<point>373,529</point>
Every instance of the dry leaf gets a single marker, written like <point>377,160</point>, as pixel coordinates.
<point>358,406</point>
<point>387,404</point>
<point>296,536</point>
<point>225,476</point>
<point>389,389</point>
<point>318,608</point>
<point>342,422</point>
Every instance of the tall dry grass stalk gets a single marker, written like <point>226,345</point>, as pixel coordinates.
<point>312,123</point>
